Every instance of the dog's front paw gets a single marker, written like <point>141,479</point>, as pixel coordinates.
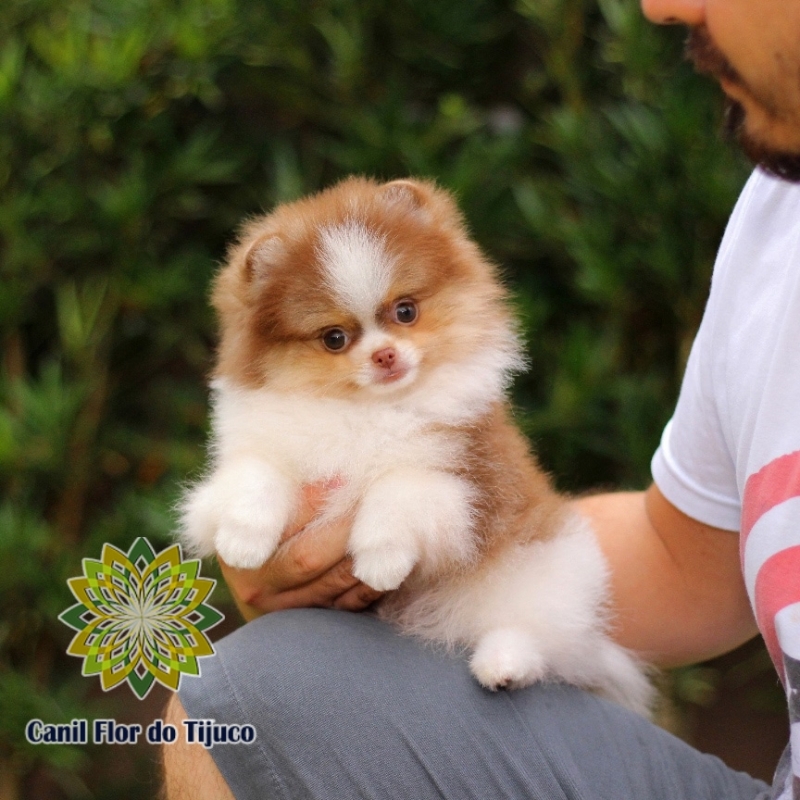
<point>244,547</point>
<point>505,659</point>
<point>255,507</point>
<point>249,532</point>
<point>383,569</point>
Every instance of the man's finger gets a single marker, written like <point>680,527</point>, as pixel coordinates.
<point>320,593</point>
<point>247,586</point>
<point>309,554</point>
<point>357,598</point>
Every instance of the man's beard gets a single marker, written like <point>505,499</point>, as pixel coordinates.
<point>776,162</point>
<point>707,58</point>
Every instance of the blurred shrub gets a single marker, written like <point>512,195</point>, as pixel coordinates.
<point>136,134</point>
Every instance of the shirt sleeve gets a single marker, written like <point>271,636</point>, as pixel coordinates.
<point>693,466</point>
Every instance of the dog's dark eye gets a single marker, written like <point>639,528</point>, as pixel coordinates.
<point>335,339</point>
<point>405,312</point>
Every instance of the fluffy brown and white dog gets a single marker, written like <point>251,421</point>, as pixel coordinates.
<point>366,339</point>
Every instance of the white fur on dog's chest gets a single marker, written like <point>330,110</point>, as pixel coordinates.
<point>315,439</point>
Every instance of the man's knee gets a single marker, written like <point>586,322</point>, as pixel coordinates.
<point>189,770</point>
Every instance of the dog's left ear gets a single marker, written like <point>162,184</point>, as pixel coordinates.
<point>261,257</point>
<point>411,194</point>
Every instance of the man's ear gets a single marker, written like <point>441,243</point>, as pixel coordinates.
<point>411,194</point>
<point>262,257</point>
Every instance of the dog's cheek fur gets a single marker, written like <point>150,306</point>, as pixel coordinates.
<point>461,321</point>
<point>306,367</point>
<point>269,312</point>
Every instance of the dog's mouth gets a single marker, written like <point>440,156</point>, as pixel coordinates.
<point>398,376</point>
<point>393,375</point>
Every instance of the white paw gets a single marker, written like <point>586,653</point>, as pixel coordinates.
<point>254,503</point>
<point>412,517</point>
<point>249,532</point>
<point>199,520</point>
<point>507,659</point>
<point>244,547</point>
<point>383,569</point>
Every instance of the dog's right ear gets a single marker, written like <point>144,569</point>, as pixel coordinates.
<point>410,194</point>
<point>262,256</point>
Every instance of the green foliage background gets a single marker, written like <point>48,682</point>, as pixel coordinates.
<point>136,134</point>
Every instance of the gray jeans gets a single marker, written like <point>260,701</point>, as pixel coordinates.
<point>346,708</point>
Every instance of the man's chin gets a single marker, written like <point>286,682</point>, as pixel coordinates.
<point>776,162</point>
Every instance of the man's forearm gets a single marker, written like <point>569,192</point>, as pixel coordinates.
<point>677,588</point>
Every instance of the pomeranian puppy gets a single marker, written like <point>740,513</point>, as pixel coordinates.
<point>366,339</point>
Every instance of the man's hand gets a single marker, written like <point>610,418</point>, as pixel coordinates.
<point>310,567</point>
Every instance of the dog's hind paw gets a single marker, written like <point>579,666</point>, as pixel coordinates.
<point>507,658</point>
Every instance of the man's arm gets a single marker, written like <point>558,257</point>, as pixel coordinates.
<point>678,592</point>
<point>677,585</point>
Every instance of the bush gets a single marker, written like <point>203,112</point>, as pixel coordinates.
<point>136,135</point>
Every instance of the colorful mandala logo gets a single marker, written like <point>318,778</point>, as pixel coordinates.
<point>140,617</point>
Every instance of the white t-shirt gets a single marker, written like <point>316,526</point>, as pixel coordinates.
<point>730,456</point>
